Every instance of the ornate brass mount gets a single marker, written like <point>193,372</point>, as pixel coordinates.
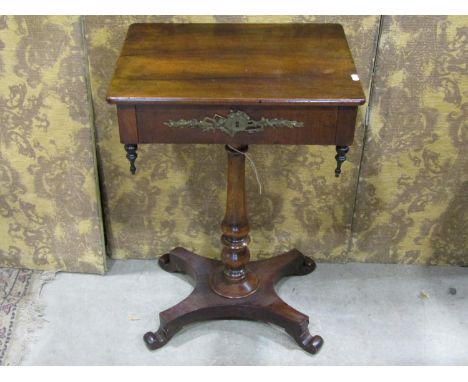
<point>235,122</point>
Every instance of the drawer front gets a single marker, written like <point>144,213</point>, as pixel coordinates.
<point>236,125</point>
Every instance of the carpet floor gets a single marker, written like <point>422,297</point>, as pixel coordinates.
<point>21,311</point>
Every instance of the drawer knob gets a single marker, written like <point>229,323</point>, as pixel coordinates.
<point>235,122</point>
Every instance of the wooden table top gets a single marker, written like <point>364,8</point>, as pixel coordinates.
<point>241,64</point>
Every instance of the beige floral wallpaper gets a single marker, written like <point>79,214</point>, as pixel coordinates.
<point>412,199</point>
<point>49,211</point>
<point>178,194</point>
<point>402,197</point>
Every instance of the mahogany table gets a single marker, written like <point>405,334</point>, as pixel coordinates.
<point>236,84</point>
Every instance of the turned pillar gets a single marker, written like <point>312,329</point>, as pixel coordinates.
<point>234,280</point>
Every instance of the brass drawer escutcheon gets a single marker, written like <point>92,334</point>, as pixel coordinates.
<point>235,122</point>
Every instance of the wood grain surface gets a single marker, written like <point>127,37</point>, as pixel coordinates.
<point>236,64</point>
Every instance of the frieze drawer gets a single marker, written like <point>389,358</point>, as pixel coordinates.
<point>237,124</point>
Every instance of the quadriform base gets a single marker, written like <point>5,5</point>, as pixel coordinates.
<point>262,305</point>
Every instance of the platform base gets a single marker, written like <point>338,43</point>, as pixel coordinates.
<point>262,304</point>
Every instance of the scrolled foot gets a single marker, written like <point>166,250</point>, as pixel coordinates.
<point>307,266</point>
<point>166,263</point>
<point>155,340</point>
<point>311,344</point>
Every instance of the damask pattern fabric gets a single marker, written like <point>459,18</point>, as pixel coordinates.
<point>49,211</point>
<point>404,200</point>
<point>412,199</point>
<point>177,196</point>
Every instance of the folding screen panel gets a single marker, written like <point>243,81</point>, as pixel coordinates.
<point>412,199</point>
<point>49,200</point>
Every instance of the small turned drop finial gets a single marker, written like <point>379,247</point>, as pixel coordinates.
<point>132,155</point>
<point>340,158</point>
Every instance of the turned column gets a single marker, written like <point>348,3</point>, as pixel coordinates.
<point>234,280</point>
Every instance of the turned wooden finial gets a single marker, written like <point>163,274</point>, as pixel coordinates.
<point>340,158</point>
<point>132,155</point>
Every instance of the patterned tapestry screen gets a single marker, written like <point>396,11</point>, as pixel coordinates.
<point>402,198</point>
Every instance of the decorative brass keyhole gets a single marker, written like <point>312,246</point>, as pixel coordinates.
<point>235,122</point>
